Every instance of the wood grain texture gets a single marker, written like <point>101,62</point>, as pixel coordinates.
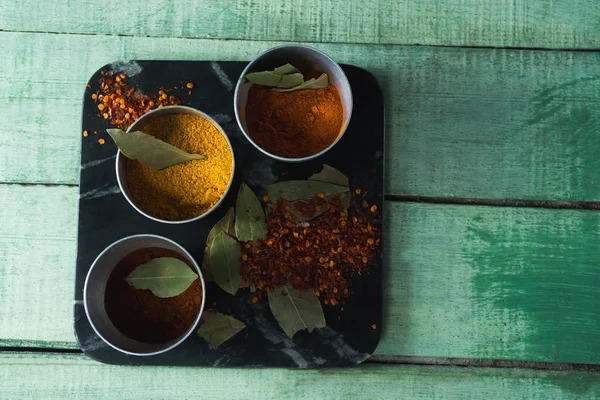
<point>75,376</point>
<point>512,23</point>
<point>459,281</point>
<point>37,264</point>
<point>492,282</point>
<point>472,123</point>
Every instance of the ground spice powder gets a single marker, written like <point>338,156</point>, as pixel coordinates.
<point>294,124</point>
<point>139,314</point>
<point>186,190</point>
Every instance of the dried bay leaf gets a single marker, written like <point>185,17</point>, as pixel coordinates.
<point>225,256</point>
<point>219,328</point>
<point>250,221</point>
<point>149,150</point>
<point>299,190</point>
<point>295,313</point>
<point>206,268</point>
<point>226,225</point>
<point>320,83</point>
<point>296,210</point>
<point>285,76</point>
<point>164,276</point>
<point>265,78</point>
<point>286,69</point>
<point>345,200</point>
<point>289,81</point>
<point>331,175</point>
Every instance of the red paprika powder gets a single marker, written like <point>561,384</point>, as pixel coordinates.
<point>141,315</point>
<point>294,124</point>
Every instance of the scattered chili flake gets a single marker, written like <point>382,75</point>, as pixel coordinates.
<point>255,299</point>
<point>373,326</point>
<point>101,141</point>
<point>85,133</point>
<point>373,208</point>
<point>265,198</point>
<point>189,85</point>
<point>122,104</point>
<point>322,252</point>
<point>357,191</point>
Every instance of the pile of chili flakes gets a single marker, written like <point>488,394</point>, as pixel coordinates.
<point>122,104</point>
<point>314,244</point>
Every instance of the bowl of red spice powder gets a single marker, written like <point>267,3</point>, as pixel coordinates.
<point>134,321</point>
<point>300,125</point>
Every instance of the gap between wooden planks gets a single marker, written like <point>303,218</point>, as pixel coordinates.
<point>89,378</point>
<point>459,281</point>
<point>460,122</point>
<point>503,23</point>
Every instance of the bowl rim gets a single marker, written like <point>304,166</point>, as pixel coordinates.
<point>192,111</point>
<point>182,250</point>
<point>240,82</point>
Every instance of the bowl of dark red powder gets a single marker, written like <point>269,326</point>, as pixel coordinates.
<point>144,295</point>
<point>294,125</point>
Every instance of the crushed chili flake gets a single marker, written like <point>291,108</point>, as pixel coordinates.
<point>122,104</point>
<point>314,244</point>
<point>101,141</point>
<point>374,326</point>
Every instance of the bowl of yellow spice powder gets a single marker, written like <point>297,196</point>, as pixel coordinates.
<point>187,191</point>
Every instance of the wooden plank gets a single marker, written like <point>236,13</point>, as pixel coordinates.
<point>460,281</point>
<point>460,122</point>
<point>37,264</point>
<point>60,376</point>
<point>492,283</point>
<point>518,23</point>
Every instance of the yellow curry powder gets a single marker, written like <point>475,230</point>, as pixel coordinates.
<point>186,190</point>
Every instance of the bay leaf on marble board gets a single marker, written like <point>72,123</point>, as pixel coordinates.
<point>296,310</point>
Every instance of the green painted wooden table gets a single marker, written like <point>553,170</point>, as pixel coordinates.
<point>492,269</point>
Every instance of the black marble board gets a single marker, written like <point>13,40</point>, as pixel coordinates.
<point>105,216</point>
